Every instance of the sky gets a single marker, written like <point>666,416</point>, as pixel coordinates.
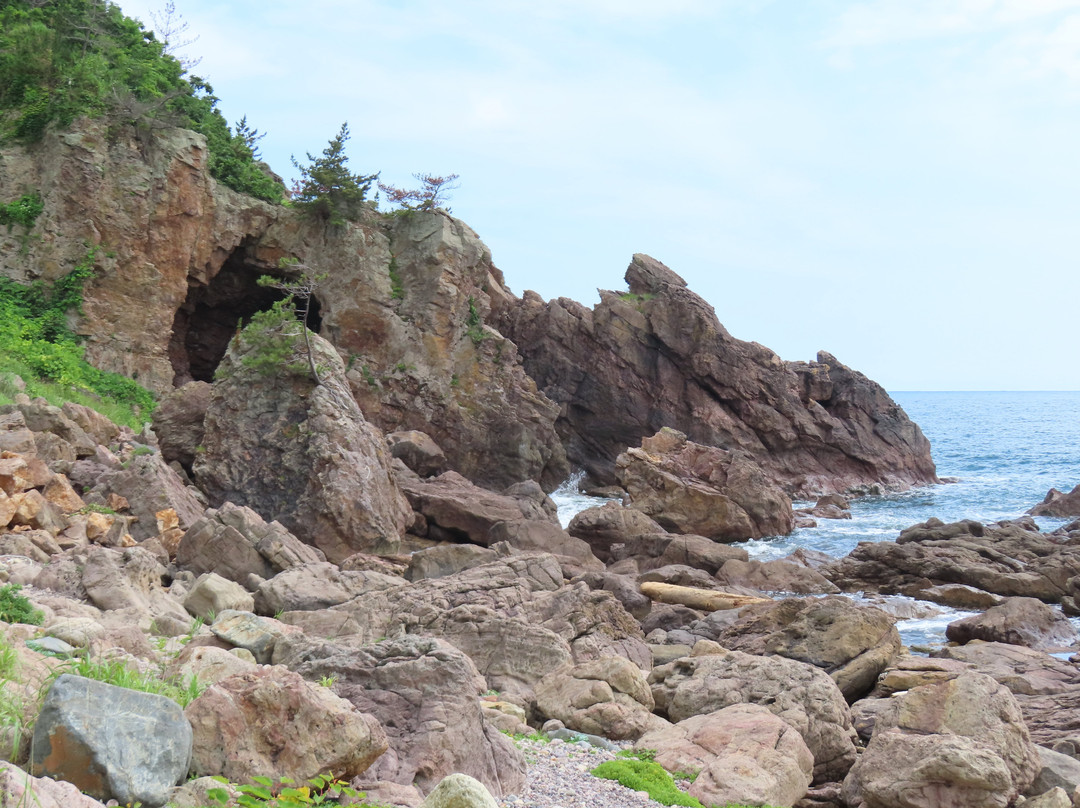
<point>894,181</point>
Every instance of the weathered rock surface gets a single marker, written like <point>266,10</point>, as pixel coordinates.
<point>742,754</point>
<point>235,542</point>
<point>961,742</point>
<point>178,422</point>
<point>459,791</point>
<point>18,789</point>
<point>300,453</point>
<point>424,691</point>
<point>775,576</point>
<point>804,696</point>
<point>110,759</point>
<point>1017,621</point>
<point>514,618</point>
<point>1058,504</point>
<point>270,722</point>
<point>702,490</point>
<point>1009,558</point>
<point>608,696</point>
<point>657,356</point>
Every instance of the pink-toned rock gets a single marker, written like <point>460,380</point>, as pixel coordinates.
<point>702,490</point>
<point>741,754</point>
<point>271,723</point>
<point>18,789</point>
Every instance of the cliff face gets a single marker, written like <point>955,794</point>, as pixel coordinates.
<point>421,316</point>
<point>177,262</point>
<point>657,356</point>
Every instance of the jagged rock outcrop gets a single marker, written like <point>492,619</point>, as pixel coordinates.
<point>407,300</point>
<point>300,453</point>
<point>178,256</point>
<point>657,356</point>
<point>1058,504</point>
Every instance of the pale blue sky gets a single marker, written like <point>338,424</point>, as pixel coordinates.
<point>894,181</point>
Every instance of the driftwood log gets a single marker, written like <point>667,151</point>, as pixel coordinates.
<point>707,600</point>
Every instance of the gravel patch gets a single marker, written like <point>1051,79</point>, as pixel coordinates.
<point>558,777</point>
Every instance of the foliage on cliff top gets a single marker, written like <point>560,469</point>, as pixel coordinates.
<point>37,345</point>
<point>327,189</point>
<point>66,58</point>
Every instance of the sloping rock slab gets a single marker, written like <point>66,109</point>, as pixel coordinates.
<point>425,693</point>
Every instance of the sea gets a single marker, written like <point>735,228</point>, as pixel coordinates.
<point>1000,451</point>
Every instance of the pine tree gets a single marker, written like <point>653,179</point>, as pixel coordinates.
<point>327,189</point>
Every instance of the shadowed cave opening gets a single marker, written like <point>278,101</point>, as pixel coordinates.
<point>212,314</point>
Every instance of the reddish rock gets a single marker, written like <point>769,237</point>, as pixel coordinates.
<point>690,488</point>
<point>657,356</point>
<point>1058,504</point>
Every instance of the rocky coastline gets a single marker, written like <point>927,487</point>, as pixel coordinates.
<point>359,571</point>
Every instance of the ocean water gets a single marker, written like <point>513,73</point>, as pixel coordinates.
<point>1005,449</point>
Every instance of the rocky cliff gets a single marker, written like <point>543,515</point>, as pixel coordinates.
<point>431,338</point>
<point>657,356</point>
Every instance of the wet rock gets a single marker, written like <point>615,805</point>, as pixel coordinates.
<point>1058,504</point>
<point>1017,621</point>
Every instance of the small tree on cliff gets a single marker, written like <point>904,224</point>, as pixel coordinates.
<point>300,288</point>
<point>434,192</point>
<point>327,189</point>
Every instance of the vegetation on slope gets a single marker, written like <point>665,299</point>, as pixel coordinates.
<point>67,58</point>
<point>37,344</point>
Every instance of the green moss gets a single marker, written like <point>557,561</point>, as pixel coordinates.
<point>644,775</point>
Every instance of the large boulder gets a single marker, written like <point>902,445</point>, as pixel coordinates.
<point>690,488</point>
<point>425,693</point>
<point>110,759</point>
<point>803,695</point>
<point>959,742</point>
<point>514,617</point>
<point>657,356</point>
<point>178,422</point>
<point>741,754</point>
<point>608,696</point>
<point>270,722</point>
<point>1009,558</point>
<point>297,451</point>
<point>1017,621</point>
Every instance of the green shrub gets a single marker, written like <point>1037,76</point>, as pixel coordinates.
<point>23,211</point>
<point>116,672</point>
<point>647,776</point>
<point>323,789</point>
<point>270,341</point>
<point>63,59</point>
<point>15,608</point>
<point>474,324</point>
<point>37,344</point>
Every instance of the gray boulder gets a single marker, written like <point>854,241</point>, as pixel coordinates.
<point>94,735</point>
